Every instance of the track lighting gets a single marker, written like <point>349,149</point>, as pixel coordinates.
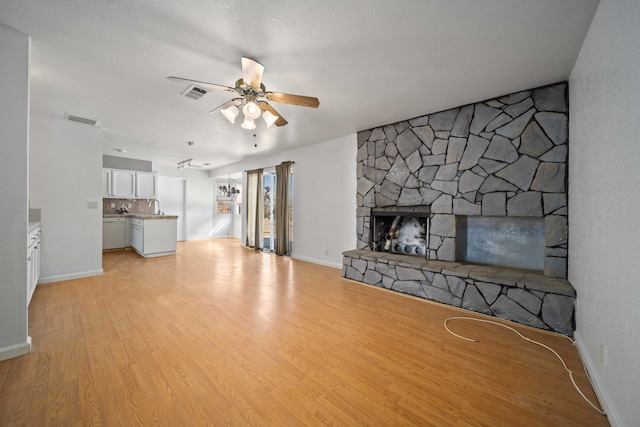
<point>182,164</point>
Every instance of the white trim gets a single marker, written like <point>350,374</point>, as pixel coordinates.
<point>15,350</point>
<point>318,261</point>
<point>155,254</point>
<point>62,277</point>
<point>601,392</point>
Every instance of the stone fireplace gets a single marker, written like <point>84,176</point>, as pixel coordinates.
<point>487,183</point>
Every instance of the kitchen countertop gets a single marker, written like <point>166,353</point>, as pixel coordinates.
<point>141,216</point>
<point>33,225</point>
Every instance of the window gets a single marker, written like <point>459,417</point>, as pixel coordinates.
<point>224,206</point>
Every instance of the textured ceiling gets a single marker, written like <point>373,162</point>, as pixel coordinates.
<point>370,62</point>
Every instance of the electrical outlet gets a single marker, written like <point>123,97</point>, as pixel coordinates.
<point>92,205</point>
<point>326,251</point>
<point>129,205</point>
<point>604,357</point>
<point>113,205</point>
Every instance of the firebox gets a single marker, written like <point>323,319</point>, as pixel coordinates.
<point>402,230</point>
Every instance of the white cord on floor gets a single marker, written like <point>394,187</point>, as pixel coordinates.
<point>530,340</point>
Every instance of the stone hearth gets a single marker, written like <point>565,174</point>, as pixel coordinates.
<point>501,158</point>
<point>521,296</point>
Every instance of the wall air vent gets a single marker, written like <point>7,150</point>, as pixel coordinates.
<point>195,92</point>
<point>90,122</point>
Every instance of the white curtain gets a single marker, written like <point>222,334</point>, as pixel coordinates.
<point>255,209</point>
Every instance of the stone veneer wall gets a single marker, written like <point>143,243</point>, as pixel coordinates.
<point>502,157</point>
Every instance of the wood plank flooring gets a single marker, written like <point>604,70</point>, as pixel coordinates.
<point>221,335</point>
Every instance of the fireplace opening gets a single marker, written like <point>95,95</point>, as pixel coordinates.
<point>516,242</point>
<point>401,230</point>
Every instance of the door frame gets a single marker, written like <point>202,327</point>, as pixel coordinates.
<point>185,181</point>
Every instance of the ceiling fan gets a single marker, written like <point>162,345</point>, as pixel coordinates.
<point>253,97</point>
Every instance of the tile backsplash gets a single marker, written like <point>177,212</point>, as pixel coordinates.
<point>140,206</point>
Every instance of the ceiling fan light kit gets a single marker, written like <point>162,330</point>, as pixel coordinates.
<point>231,112</point>
<point>253,97</point>
<point>248,123</point>
<point>269,118</point>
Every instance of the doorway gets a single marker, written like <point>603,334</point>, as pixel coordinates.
<point>269,227</point>
<point>270,224</point>
<point>172,195</point>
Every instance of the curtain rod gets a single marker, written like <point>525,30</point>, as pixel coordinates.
<point>267,167</point>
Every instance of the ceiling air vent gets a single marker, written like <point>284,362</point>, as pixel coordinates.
<point>91,122</point>
<point>195,92</point>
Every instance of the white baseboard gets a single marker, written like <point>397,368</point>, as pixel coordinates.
<point>603,396</point>
<point>318,261</point>
<point>51,279</point>
<point>15,350</point>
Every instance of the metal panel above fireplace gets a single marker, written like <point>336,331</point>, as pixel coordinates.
<point>403,230</point>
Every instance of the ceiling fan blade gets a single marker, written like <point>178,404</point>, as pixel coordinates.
<point>266,107</point>
<point>252,72</point>
<point>286,98</point>
<point>183,80</point>
<point>234,101</point>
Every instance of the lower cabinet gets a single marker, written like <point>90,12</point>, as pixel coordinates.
<point>33,261</point>
<point>137,235</point>
<point>128,233</point>
<point>154,237</point>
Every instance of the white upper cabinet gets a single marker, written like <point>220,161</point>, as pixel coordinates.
<point>126,184</point>
<point>146,185</point>
<point>106,182</point>
<point>123,184</point>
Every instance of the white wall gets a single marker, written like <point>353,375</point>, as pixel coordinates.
<point>223,223</point>
<point>65,166</point>
<point>14,175</point>
<point>604,203</point>
<point>324,197</point>
<point>199,200</point>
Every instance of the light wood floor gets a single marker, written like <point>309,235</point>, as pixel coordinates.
<point>220,335</point>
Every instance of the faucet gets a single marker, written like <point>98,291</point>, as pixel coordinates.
<point>159,211</point>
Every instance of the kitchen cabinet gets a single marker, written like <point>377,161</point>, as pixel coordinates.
<point>137,235</point>
<point>127,184</point>
<point>128,232</point>
<point>154,237</point>
<point>106,183</point>
<point>146,185</point>
<point>123,184</point>
<point>33,261</point>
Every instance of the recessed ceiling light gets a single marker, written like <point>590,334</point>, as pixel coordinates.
<point>120,150</point>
